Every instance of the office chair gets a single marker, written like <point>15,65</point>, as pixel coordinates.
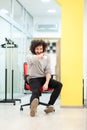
<point>27,87</point>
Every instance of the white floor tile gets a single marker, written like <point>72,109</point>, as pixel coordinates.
<point>11,118</point>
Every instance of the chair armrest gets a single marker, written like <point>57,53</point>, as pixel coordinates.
<point>26,78</point>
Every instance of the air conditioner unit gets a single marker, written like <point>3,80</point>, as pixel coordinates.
<point>47,27</point>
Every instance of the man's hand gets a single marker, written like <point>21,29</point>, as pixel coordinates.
<point>45,86</point>
<point>41,56</point>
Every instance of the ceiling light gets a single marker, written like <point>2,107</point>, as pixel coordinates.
<point>51,11</point>
<point>45,0</point>
<point>4,11</point>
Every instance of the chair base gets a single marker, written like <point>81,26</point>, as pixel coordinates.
<point>28,104</point>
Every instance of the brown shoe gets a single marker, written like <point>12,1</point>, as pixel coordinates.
<point>33,107</point>
<point>49,109</point>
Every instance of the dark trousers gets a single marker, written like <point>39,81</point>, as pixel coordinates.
<point>36,83</point>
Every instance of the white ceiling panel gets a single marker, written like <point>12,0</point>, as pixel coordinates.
<point>39,8</point>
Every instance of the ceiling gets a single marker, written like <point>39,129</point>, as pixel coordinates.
<point>39,8</point>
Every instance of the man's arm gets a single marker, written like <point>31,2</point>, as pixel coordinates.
<point>45,86</point>
<point>32,59</point>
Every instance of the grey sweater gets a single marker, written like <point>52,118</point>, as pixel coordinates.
<point>38,67</point>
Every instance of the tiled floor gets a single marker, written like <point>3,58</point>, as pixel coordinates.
<point>11,118</point>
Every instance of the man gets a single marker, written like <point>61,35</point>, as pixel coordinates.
<point>40,75</point>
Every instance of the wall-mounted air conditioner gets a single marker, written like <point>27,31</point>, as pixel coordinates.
<point>46,27</point>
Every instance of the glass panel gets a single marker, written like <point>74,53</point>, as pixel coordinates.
<point>31,26</point>
<point>18,13</point>
<point>12,59</point>
<point>24,19</point>
<point>5,7</point>
<point>4,32</point>
<point>19,58</point>
<point>29,22</point>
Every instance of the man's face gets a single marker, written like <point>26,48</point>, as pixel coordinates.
<point>39,50</point>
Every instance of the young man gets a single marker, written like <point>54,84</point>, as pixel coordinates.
<point>40,75</point>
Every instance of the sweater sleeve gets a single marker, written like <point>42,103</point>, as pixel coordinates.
<point>30,59</point>
<point>48,66</point>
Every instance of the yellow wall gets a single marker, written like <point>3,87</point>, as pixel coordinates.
<point>72,52</point>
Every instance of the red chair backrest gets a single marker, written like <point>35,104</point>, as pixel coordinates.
<point>25,68</point>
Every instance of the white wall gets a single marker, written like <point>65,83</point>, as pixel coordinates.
<point>85,49</point>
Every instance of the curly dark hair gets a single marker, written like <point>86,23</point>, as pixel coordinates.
<point>35,43</point>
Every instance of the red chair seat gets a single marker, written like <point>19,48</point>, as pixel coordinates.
<point>27,86</point>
